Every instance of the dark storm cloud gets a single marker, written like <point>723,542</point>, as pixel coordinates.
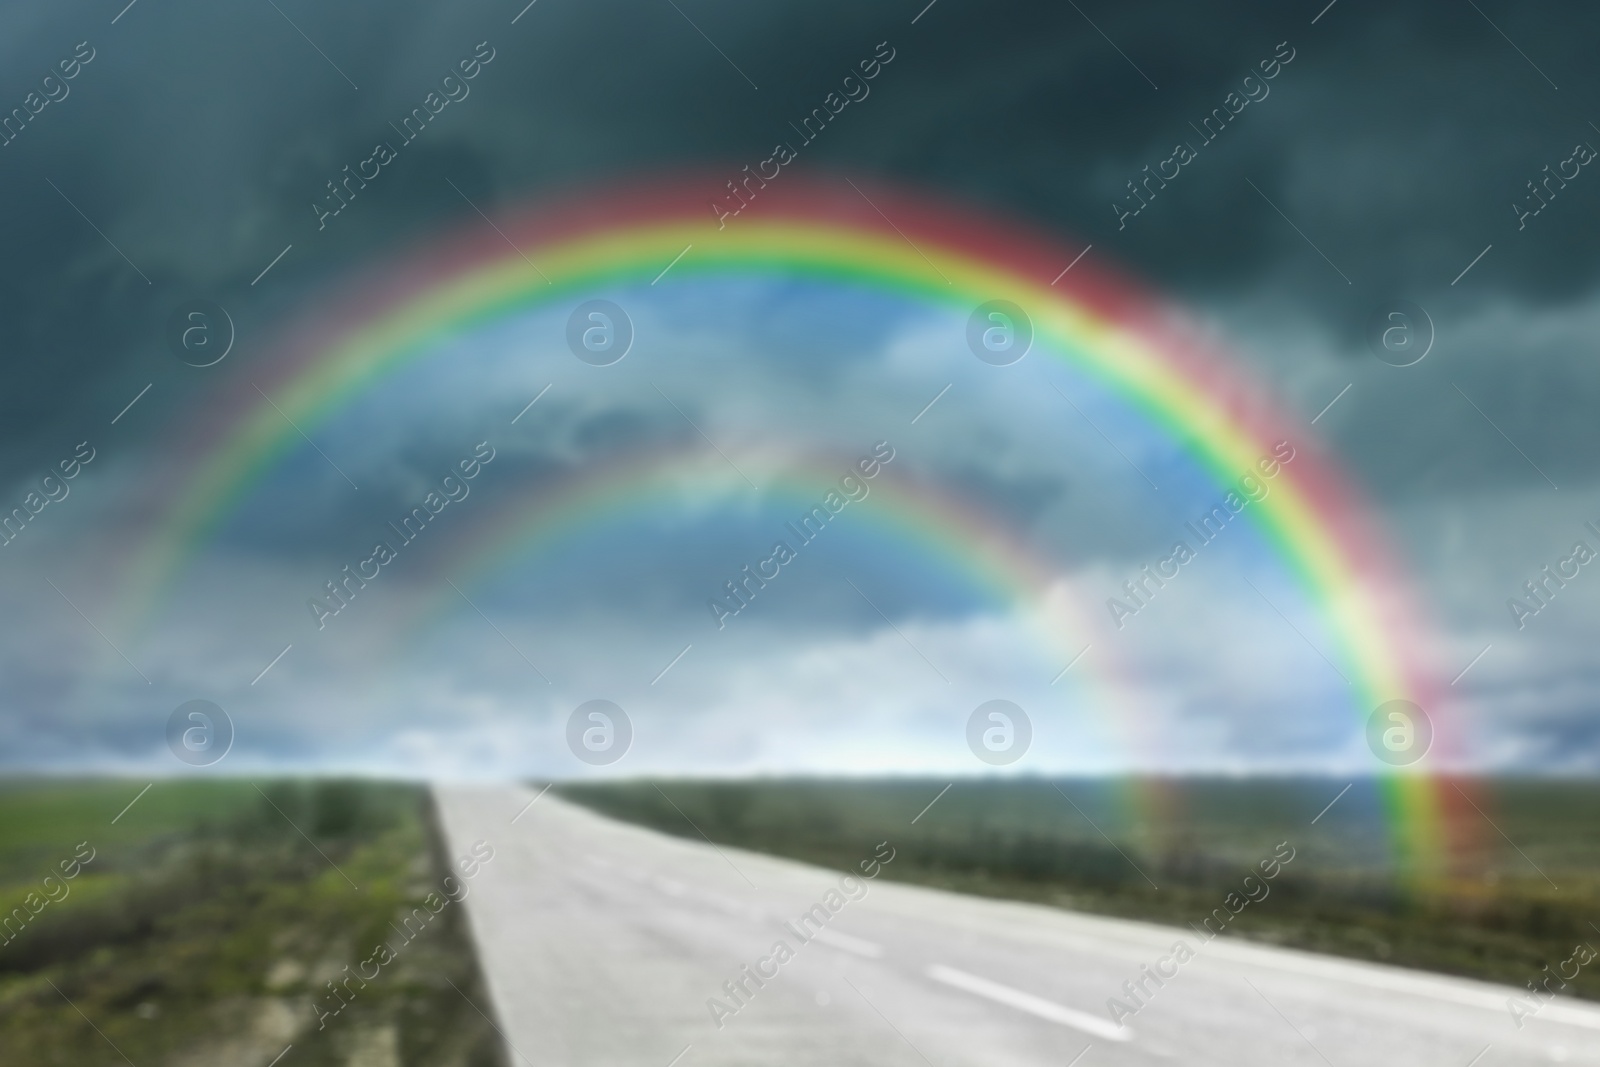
<point>1387,155</point>
<point>308,513</point>
<point>196,176</point>
<point>198,138</point>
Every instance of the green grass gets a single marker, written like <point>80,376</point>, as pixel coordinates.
<point>1170,850</point>
<point>206,926</point>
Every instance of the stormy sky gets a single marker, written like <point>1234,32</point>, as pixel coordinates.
<point>1389,159</point>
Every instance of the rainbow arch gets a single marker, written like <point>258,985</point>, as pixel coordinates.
<point>1126,341</point>
<point>941,525</point>
<point>958,537</point>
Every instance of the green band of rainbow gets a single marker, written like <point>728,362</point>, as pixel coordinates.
<point>1107,331</point>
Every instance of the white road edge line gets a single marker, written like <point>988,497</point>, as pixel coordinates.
<point>1370,977</point>
<point>1016,998</point>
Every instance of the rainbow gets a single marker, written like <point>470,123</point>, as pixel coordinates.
<point>957,539</point>
<point>908,514</point>
<point>1130,344</point>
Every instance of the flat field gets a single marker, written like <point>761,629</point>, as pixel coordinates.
<point>1526,891</point>
<point>212,915</point>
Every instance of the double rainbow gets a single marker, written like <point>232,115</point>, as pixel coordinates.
<point>1128,342</point>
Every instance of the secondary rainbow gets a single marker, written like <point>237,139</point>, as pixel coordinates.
<point>1102,325</point>
<point>981,553</point>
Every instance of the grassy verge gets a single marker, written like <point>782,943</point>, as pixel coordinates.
<point>212,915</point>
<point>1175,854</point>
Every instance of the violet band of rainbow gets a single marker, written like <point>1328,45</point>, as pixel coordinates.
<point>1127,341</point>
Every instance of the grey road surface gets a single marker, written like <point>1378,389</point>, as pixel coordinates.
<point>606,944</point>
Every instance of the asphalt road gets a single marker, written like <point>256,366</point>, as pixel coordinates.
<point>602,944</point>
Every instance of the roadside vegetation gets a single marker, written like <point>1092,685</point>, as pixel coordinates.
<point>210,919</point>
<point>1171,850</point>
